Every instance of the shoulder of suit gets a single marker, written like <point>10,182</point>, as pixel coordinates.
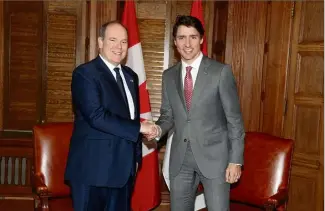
<point>171,69</point>
<point>215,63</point>
<point>129,70</point>
<point>85,67</point>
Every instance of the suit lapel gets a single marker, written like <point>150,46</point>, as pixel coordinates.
<point>107,74</point>
<point>201,81</point>
<point>179,83</point>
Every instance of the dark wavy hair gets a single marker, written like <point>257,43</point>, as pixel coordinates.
<point>189,21</point>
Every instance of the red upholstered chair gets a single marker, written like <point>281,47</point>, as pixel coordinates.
<point>51,145</point>
<point>264,184</point>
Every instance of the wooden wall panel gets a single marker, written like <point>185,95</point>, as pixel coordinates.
<point>245,51</point>
<point>219,35</point>
<point>1,63</point>
<point>106,11</point>
<point>311,16</point>
<point>302,182</point>
<point>178,8</point>
<point>62,24</point>
<point>100,12</point>
<point>24,55</point>
<point>275,66</point>
<point>304,119</point>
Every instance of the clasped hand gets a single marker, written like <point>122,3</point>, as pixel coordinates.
<point>149,130</point>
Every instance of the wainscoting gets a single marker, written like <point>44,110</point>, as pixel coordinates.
<point>16,158</point>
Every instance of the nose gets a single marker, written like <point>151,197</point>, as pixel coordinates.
<point>187,42</point>
<point>118,45</point>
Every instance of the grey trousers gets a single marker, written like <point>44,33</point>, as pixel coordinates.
<point>183,187</point>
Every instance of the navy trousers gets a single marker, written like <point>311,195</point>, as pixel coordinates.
<point>92,198</point>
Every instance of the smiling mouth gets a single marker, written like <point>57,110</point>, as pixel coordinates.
<point>117,53</point>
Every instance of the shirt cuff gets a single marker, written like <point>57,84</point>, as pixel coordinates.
<point>236,164</point>
<point>159,133</point>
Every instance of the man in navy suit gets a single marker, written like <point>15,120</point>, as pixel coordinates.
<point>105,149</point>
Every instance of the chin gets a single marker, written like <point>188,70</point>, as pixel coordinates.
<point>188,57</point>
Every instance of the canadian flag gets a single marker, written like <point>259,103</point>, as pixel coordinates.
<point>196,11</point>
<point>146,194</point>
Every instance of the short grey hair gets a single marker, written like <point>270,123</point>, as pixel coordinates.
<point>103,28</point>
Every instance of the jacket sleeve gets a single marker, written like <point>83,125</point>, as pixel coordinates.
<point>86,97</point>
<point>231,107</point>
<point>166,118</point>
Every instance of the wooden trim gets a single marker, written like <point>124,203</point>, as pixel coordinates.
<point>92,30</point>
<point>43,73</point>
<point>1,64</point>
<point>172,17</point>
<point>168,37</point>
<point>114,10</point>
<point>81,33</point>
<point>5,64</point>
<point>209,12</point>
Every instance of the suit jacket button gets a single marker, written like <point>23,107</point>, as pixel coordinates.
<point>185,140</point>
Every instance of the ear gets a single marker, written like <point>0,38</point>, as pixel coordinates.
<point>100,42</point>
<point>175,41</point>
<point>201,41</point>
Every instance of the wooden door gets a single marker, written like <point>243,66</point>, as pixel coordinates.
<point>304,120</point>
<point>23,33</point>
<point>245,52</point>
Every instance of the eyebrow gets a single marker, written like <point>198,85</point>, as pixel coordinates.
<point>191,35</point>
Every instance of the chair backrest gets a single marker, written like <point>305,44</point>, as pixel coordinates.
<point>267,164</point>
<point>51,146</point>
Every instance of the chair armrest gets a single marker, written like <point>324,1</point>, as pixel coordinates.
<point>39,185</point>
<point>277,199</point>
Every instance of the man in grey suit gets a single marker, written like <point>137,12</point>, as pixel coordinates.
<point>200,102</point>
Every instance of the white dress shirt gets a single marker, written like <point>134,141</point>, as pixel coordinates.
<point>126,88</point>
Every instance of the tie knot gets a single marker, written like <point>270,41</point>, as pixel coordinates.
<point>188,69</point>
<point>117,70</point>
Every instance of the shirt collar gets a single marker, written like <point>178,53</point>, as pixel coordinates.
<point>196,63</point>
<point>109,65</point>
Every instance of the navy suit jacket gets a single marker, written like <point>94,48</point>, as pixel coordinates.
<point>105,143</point>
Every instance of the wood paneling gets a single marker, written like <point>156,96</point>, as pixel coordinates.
<point>304,120</point>
<point>245,51</point>
<point>100,12</point>
<point>275,66</point>
<point>1,62</point>
<point>16,158</point>
<point>23,32</point>
<point>219,31</point>
<point>62,24</point>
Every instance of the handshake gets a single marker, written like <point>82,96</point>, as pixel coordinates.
<point>150,130</point>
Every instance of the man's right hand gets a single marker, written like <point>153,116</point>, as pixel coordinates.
<point>149,130</point>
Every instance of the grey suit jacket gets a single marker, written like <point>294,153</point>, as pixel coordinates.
<point>214,124</point>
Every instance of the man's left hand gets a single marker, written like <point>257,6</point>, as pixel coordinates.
<point>233,173</point>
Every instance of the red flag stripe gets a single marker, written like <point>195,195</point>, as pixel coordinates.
<point>129,20</point>
<point>197,11</point>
